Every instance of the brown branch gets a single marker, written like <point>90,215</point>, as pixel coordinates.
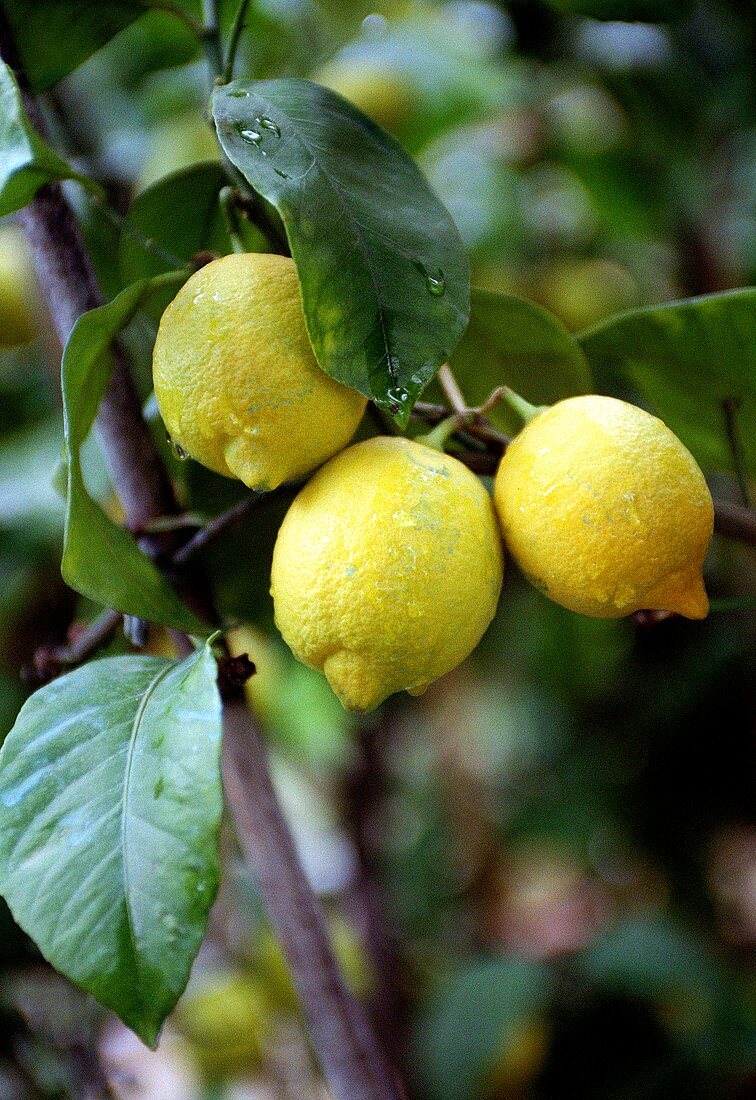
<point>355,1067</point>
<point>364,795</point>
<point>735,521</point>
<point>349,1053</point>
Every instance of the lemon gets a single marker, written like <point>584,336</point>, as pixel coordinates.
<point>225,1018</point>
<point>387,569</point>
<point>378,90</point>
<point>18,290</point>
<point>606,511</point>
<point>236,380</point>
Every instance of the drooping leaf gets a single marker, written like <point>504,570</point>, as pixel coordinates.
<point>100,559</point>
<point>511,341</point>
<point>111,799</point>
<point>686,359</point>
<point>504,996</point>
<point>26,163</point>
<point>53,37</point>
<point>383,272</point>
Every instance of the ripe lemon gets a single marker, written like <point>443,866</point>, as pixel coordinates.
<point>606,511</point>
<point>236,380</point>
<point>387,569</point>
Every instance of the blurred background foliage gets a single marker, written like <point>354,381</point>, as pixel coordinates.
<point>559,836</point>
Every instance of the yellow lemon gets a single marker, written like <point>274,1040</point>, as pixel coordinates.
<point>236,380</point>
<point>387,569</point>
<point>18,290</point>
<point>606,511</point>
<point>380,91</point>
<point>225,1017</point>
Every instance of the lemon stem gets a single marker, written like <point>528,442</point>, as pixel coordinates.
<point>522,407</point>
<point>439,436</point>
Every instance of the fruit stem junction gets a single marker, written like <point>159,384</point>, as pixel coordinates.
<point>519,405</point>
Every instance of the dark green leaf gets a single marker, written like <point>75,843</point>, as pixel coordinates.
<point>26,163</point>
<point>53,37</point>
<point>685,359</point>
<point>111,798</point>
<point>100,559</point>
<point>511,341</point>
<point>503,996</point>
<point>647,11</point>
<point>180,215</point>
<point>384,276</point>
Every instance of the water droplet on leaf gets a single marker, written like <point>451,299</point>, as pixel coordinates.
<point>435,282</point>
<point>268,124</point>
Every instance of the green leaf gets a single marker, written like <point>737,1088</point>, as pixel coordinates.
<point>53,37</point>
<point>26,163</point>
<point>646,11</point>
<point>685,359</point>
<point>503,996</point>
<point>179,214</point>
<point>100,559</point>
<point>111,798</point>
<point>383,272</point>
<point>511,341</point>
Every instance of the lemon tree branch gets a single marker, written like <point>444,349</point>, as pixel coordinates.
<point>348,1051</point>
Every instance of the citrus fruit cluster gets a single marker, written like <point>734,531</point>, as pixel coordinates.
<point>388,566</point>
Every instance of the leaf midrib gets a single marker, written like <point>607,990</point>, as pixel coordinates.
<point>135,730</point>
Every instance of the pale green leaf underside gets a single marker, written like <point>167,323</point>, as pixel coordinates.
<point>100,559</point>
<point>110,795</point>
<point>26,163</point>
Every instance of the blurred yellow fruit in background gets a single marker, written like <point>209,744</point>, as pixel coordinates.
<point>224,1016</point>
<point>19,299</point>
<point>380,91</point>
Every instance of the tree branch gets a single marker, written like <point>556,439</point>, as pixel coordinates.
<point>349,1053</point>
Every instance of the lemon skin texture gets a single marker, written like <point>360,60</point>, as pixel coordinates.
<point>606,511</point>
<point>236,380</point>
<point>387,569</point>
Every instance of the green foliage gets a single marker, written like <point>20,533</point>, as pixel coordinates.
<point>502,996</point>
<point>643,10</point>
<point>111,795</point>
<point>686,359</point>
<point>100,559</point>
<point>384,277</point>
<point>54,36</point>
<point>26,163</point>
<point>511,341</point>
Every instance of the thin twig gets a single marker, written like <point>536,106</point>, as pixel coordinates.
<point>453,393</point>
<point>233,40</point>
<point>226,521</point>
<point>364,793</point>
<point>735,522</point>
<point>730,409</point>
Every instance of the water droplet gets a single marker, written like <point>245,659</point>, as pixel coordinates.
<point>254,137</point>
<point>283,175</point>
<point>237,93</point>
<point>268,124</point>
<point>435,283</point>
<point>177,450</point>
<point>397,395</point>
